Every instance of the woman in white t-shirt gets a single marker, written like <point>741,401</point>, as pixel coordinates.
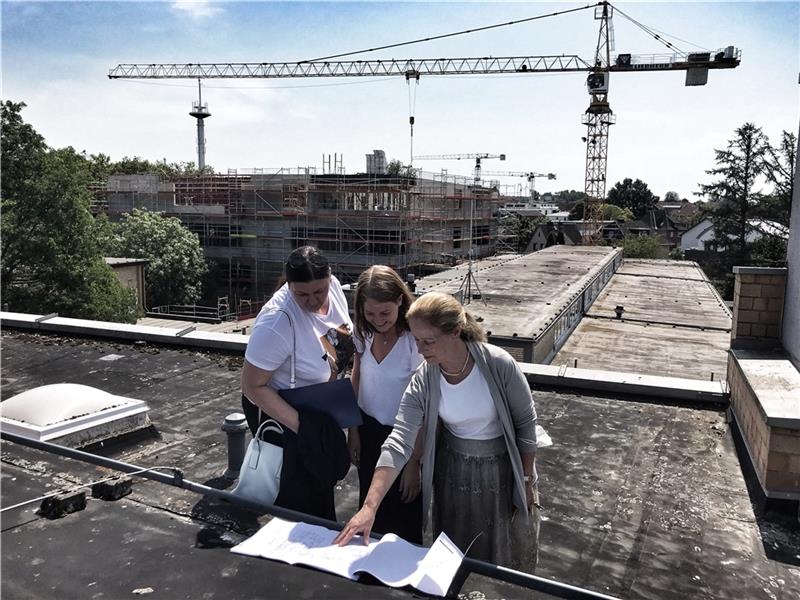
<point>386,358</point>
<point>307,315</point>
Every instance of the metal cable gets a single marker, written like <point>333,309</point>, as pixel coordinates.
<point>455,33</point>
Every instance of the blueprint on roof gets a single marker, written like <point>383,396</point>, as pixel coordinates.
<point>392,560</point>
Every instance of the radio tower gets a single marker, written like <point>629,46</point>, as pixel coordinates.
<point>200,112</point>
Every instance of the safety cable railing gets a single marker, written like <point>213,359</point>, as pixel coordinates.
<point>533,582</point>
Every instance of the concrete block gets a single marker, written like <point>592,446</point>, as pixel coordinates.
<point>746,277</point>
<point>750,289</point>
<point>758,330</point>
<point>56,507</point>
<point>786,431</point>
<point>773,331</point>
<point>770,317</point>
<point>772,291</point>
<point>775,304</point>
<point>788,444</point>
<point>778,279</point>
<point>748,316</point>
<point>779,461</point>
<point>742,329</point>
<point>745,303</point>
<point>783,481</point>
<point>112,490</point>
<point>758,304</point>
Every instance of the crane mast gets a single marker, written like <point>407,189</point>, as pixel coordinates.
<point>598,118</point>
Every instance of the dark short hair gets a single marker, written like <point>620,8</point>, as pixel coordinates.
<point>306,264</point>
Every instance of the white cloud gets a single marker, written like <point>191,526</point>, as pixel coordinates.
<point>197,10</point>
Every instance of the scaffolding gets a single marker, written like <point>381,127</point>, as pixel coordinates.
<point>248,221</point>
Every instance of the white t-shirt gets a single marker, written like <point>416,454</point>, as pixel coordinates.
<point>467,408</point>
<point>316,338</point>
<point>381,384</point>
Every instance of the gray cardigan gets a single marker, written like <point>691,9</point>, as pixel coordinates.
<point>420,404</point>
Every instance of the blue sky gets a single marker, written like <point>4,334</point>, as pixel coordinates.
<point>56,56</point>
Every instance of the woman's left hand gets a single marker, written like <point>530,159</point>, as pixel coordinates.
<point>410,481</point>
<point>531,497</point>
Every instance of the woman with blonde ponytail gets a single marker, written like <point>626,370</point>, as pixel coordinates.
<point>473,406</point>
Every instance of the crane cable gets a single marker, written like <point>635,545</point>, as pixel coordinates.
<point>412,108</point>
<point>455,33</point>
<point>653,33</point>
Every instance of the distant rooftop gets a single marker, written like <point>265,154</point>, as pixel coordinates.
<point>674,323</point>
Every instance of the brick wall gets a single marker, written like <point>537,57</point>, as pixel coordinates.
<point>774,451</point>
<point>757,307</point>
<point>750,418</point>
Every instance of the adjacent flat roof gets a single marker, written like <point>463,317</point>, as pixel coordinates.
<point>674,323</point>
<point>523,293</point>
<point>641,499</point>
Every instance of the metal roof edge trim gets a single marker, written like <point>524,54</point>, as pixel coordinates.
<point>676,388</point>
<point>126,331</point>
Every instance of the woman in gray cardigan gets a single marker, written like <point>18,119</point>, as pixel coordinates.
<point>479,427</point>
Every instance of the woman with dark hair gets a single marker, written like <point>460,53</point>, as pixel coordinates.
<point>386,358</point>
<point>307,317</point>
<point>474,408</point>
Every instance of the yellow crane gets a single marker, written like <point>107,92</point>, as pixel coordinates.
<point>597,118</point>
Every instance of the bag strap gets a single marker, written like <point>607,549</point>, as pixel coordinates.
<point>268,425</point>
<point>292,358</point>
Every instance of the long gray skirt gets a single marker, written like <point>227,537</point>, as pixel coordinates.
<point>473,485</point>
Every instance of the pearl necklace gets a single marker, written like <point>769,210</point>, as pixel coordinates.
<point>463,368</point>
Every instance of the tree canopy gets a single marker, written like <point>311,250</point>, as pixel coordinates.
<point>611,212</point>
<point>633,195</point>
<point>737,197</point>
<point>176,269</point>
<point>640,246</point>
<point>51,257</point>
<point>101,167</point>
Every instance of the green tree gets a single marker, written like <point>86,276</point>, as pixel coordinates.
<point>51,258</point>
<point>640,246</point>
<point>522,227</point>
<point>733,194</point>
<point>176,269</point>
<point>633,195</point>
<point>611,212</point>
<point>779,165</point>
<point>672,197</point>
<point>397,169</point>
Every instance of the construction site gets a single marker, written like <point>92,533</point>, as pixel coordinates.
<point>247,223</point>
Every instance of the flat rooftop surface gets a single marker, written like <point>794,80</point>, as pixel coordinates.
<point>641,499</point>
<point>674,324</point>
<point>523,292</point>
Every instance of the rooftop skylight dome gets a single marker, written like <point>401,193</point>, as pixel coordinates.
<point>71,414</point>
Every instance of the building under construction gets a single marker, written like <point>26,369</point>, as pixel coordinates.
<point>248,222</point>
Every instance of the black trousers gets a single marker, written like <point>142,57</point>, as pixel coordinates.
<point>393,515</point>
<point>299,490</point>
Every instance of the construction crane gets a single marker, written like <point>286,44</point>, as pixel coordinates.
<point>597,118</point>
<point>477,157</point>
<point>529,175</point>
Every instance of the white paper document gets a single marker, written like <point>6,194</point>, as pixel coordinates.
<point>392,560</point>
